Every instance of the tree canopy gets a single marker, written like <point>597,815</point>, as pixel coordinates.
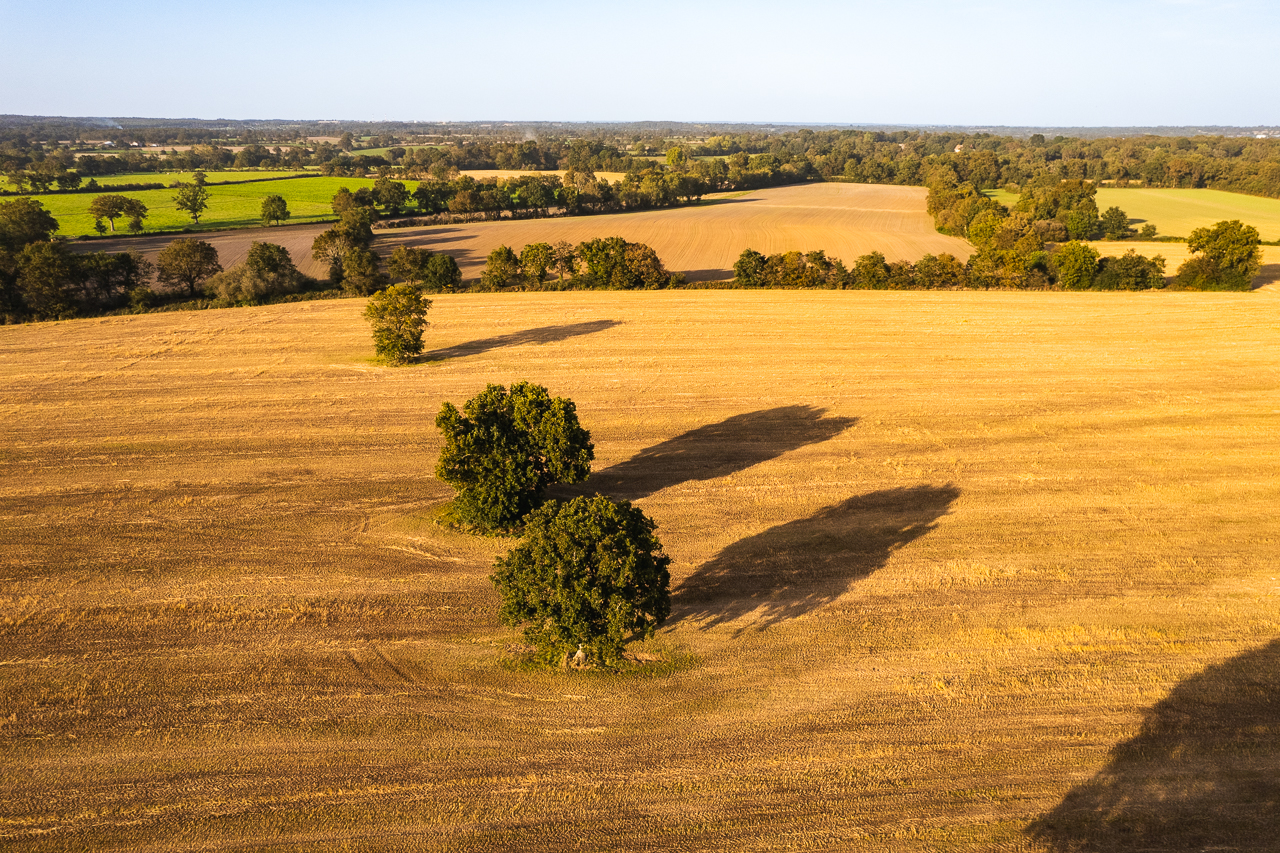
<point>274,209</point>
<point>588,571</point>
<point>398,315</point>
<point>505,448</point>
<point>193,198</point>
<point>187,262</point>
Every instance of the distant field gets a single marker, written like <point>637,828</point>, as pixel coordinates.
<point>951,572</point>
<point>844,220</point>
<point>479,174</point>
<point>1177,253</point>
<point>189,177</point>
<point>1176,213</point>
<point>235,206</point>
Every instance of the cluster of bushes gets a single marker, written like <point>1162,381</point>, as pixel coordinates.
<point>1073,266</point>
<point>609,263</point>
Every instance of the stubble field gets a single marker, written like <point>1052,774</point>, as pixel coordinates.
<point>951,571</point>
<point>844,220</point>
<point>703,241</point>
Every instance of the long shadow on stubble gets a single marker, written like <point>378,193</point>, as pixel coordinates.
<point>1203,773</point>
<point>540,335</point>
<point>799,566</point>
<point>717,450</point>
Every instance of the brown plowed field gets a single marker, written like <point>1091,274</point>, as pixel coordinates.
<point>844,220</point>
<point>232,246</point>
<point>951,572</point>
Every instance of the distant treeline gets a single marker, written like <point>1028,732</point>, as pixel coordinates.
<point>901,157</point>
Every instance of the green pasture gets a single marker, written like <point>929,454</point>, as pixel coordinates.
<point>231,206</point>
<point>382,152</point>
<point>189,177</point>
<point>1176,213</point>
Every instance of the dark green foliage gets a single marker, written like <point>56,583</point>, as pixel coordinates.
<point>589,571</point>
<point>361,275</point>
<point>536,259</point>
<point>870,272</point>
<point>398,315</point>
<point>1075,265</point>
<point>267,271</point>
<point>274,209</point>
<point>392,195</point>
<point>1130,272</point>
<point>106,278</point>
<point>748,270</point>
<point>616,264</point>
<point>1229,256</point>
<point>1115,224</point>
<point>940,272</point>
<point>188,262</point>
<point>429,272</point>
<point>112,206</point>
<point>504,449</point>
<point>48,281</point>
<point>502,270</point>
<point>24,221</point>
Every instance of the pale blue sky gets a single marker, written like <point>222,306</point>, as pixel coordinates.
<point>1083,63</point>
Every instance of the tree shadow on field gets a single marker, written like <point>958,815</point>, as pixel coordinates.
<point>708,275</point>
<point>1268,274</point>
<point>799,566</point>
<point>540,335</point>
<point>1202,774</point>
<point>717,450</point>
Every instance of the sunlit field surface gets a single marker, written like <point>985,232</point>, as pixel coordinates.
<point>950,571</point>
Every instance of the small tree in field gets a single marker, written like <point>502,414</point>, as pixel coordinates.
<point>274,209</point>
<point>187,262</point>
<point>589,571</point>
<point>503,450</point>
<point>193,198</point>
<point>398,315</point>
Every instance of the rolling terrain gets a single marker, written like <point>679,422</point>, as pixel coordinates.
<point>951,571</point>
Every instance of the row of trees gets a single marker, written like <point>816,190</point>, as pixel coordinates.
<point>609,263</point>
<point>1073,266</point>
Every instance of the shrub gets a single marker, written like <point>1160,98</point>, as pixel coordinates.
<point>589,571</point>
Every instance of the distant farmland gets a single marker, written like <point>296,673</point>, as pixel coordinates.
<point>844,220</point>
<point>1176,213</point>
<point>703,241</point>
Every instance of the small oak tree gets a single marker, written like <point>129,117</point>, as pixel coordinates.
<point>398,315</point>
<point>187,262</point>
<point>274,209</point>
<point>193,198</point>
<point>505,448</point>
<point>1228,256</point>
<point>589,571</point>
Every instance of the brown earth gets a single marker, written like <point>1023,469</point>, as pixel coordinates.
<point>951,571</point>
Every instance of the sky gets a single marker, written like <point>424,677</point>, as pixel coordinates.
<point>899,62</point>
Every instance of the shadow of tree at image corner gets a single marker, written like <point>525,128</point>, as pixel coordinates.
<point>1203,772</point>
<point>799,566</point>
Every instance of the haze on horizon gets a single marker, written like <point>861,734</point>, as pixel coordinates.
<point>1125,63</point>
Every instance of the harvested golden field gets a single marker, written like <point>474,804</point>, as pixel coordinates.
<point>951,571</point>
<point>844,220</point>
<point>1176,254</point>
